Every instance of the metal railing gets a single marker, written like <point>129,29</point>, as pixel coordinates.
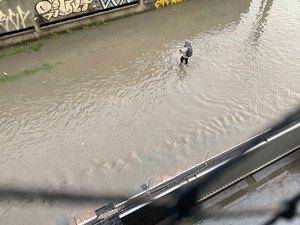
<point>208,178</point>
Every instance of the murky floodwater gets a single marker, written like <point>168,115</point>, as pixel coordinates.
<point>117,108</point>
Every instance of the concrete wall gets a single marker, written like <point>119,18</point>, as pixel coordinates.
<point>17,15</point>
<point>18,24</point>
<point>13,16</point>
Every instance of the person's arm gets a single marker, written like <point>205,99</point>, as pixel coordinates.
<point>183,50</point>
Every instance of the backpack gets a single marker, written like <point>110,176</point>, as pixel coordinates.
<point>189,52</point>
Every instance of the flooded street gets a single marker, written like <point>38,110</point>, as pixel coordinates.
<point>116,108</point>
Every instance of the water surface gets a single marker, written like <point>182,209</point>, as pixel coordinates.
<point>117,108</point>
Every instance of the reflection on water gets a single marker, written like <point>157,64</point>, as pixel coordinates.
<point>182,72</point>
<point>261,21</point>
<point>118,108</point>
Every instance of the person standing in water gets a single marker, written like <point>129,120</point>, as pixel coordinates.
<point>186,51</point>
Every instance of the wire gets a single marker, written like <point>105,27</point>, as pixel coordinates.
<point>15,194</point>
<point>287,212</point>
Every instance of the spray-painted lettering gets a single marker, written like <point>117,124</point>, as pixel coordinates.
<point>13,20</point>
<point>54,8</point>
<point>105,4</point>
<point>163,3</point>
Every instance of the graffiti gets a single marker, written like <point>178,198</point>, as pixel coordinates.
<point>54,8</point>
<point>113,3</point>
<point>163,3</point>
<point>13,20</point>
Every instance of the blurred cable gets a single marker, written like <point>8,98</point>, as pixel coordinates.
<point>17,194</point>
<point>288,210</point>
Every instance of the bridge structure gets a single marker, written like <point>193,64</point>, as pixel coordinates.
<point>178,196</point>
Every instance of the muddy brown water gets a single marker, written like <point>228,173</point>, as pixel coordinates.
<point>117,108</point>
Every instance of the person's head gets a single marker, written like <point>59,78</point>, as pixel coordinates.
<point>187,44</point>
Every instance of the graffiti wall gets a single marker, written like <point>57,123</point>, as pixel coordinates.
<point>53,9</point>
<point>106,4</point>
<point>13,18</point>
<point>18,14</point>
<point>162,3</point>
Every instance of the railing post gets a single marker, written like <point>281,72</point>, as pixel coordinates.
<point>36,24</point>
<point>206,157</point>
<point>141,2</point>
<point>148,187</point>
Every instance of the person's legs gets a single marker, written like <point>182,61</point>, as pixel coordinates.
<point>186,60</point>
<point>181,59</point>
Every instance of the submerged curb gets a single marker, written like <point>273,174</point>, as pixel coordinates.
<point>33,35</point>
